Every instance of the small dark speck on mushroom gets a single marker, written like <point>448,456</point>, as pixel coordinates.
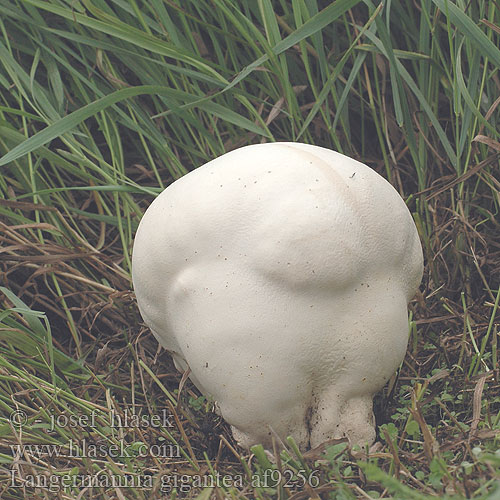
<point>206,364</point>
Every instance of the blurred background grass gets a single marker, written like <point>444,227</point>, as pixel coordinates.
<point>105,103</point>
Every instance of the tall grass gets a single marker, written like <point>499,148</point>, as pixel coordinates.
<point>104,103</point>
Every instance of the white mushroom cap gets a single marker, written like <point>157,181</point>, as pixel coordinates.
<point>281,273</point>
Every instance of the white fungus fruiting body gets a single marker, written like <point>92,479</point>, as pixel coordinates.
<point>280,273</point>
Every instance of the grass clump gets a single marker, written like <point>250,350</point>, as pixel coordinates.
<point>104,103</point>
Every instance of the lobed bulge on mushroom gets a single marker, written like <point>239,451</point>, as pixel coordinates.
<point>280,273</point>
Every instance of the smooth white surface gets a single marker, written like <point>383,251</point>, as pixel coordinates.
<point>280,273</point>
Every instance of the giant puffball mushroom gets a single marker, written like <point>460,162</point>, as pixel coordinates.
<point>280,274</point>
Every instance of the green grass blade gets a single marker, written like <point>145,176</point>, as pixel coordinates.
<point>70,121</point>
<point>473,33</point>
